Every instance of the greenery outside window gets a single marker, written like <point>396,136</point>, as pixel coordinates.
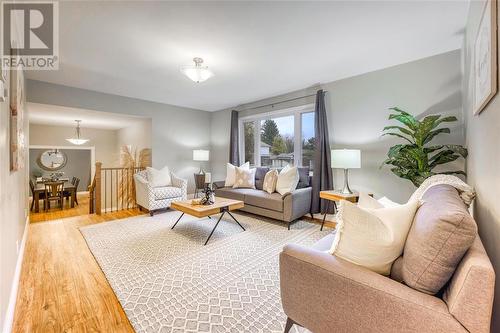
<point>278,138</point>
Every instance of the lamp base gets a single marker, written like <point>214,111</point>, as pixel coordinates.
<point>346,189</point>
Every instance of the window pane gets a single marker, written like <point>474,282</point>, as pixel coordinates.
<point>249,130</point>
<point>276,142</point>
<point>308,139</point>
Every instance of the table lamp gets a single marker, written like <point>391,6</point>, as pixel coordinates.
<point>201,156</point>
<point>346,159</point>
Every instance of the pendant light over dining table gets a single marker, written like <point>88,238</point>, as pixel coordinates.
<point>197,72</point>
<point>77,140</point>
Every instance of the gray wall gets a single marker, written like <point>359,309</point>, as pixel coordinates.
<point>176,131</point>
<point>483,138</point>
<point>357,112</point>
<point>78,165</point>
<point>14,205</point>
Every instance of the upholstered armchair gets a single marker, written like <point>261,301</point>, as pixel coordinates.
<point>156,198</point>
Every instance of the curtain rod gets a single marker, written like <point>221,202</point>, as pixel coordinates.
<point>280,102</point>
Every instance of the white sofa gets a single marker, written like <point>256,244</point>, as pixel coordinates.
<point>156,198</point>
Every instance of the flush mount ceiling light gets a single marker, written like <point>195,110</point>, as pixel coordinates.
<point>197,73</point>
<point>77,140</point>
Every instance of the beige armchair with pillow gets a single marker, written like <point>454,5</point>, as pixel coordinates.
<point>156,189</point>
<point>443,282</point>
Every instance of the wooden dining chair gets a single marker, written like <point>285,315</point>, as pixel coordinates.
<point>67,194</point>
<point>40,196</point>
<point>54,191</point>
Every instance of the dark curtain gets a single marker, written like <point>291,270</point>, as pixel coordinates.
<point>234,151</point>
<point>322,172</point>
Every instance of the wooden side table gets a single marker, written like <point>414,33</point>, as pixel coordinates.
<point>333,196</point>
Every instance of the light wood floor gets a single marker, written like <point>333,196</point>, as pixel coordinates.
<point>62,288</point>
<point>56,213</point>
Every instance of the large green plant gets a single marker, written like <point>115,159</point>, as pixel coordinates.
<point>417,159</point>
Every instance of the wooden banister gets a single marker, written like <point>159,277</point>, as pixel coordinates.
<point>113,187</point>
<point>98,194</point>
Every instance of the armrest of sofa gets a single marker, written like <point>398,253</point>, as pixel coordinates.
<point>327,294</point>
<point>297,203</point>
<point>180,183</point>
<point>219,184</point>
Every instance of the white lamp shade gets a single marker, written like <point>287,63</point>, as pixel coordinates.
<point>346,158</point>
<point>201,155</point>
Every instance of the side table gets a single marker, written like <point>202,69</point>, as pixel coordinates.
<point>333,196</point>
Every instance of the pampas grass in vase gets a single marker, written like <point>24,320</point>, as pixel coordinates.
<point>129,159</point>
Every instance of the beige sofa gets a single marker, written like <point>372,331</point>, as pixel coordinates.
<point>286,208</point>
<point>327,294</point>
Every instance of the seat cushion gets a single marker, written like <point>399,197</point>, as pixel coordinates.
<point>233,193</point>
<point>166,192</point>
<point>442,232</point>
<point>265,200</point>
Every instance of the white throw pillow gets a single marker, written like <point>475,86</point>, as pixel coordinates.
<point>372,238</point>
<point>230,173</point>
<point>270,180</point>
<point>158,178</point>
<point>244,178</point>
<point>367,201</point>
<point>288,179</point>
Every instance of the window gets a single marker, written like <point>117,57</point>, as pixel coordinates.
<point>278,138</point>
<point>249,135</point>
<point>308,139</point>
<point>276,142</point>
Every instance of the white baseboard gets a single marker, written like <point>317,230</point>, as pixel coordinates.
<point>9,315</point>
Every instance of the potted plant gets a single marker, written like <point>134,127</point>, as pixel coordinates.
<point>416,159</point>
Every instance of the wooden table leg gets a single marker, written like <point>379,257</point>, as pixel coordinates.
<point>36,197</point>
<point>73,198</point>
<point>324,216</point>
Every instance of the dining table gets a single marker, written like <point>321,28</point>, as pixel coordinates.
<point>40,188</point>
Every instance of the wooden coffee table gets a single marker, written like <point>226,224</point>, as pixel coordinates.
<point>221,205</point>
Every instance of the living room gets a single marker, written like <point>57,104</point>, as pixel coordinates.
<point>268,121</point>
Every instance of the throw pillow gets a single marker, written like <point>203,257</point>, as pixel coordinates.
<point>441,234</point>
<point>244,178</point>
<point>372,238</point>
<point>158,178</point>
<point>260,173</point>
<point>230,173</point>
<point>270,181</point>
<point>367,201</point>
<point>303,178</point>
<point>287,181</point>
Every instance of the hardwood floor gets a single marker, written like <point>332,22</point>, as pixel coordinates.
<point>57,213</point>
<point>62,288</point>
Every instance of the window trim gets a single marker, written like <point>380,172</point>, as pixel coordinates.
<point>295,111</point>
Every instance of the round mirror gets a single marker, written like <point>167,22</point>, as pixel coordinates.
<point>52,160</point>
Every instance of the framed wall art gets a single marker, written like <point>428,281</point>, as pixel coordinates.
<point>485,58</point>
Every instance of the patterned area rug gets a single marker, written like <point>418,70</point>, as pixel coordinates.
<point>167,281</point>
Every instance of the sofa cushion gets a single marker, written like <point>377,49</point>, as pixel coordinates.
<point>244,178</point>
<point>233,193</point>
<point>265,200</point>
<point>441,234</point>
<point>166,192</point>
<point>260,174</point>
<point>158,178</point>
<point>303,178</point>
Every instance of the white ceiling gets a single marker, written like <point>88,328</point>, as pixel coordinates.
<point>256,49</point>
<point>63,116</point>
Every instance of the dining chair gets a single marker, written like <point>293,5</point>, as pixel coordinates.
<point>54,191</point>
<point>41,196</point>
<point>67,194</point>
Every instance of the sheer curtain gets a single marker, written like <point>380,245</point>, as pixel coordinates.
<point>234,151</point>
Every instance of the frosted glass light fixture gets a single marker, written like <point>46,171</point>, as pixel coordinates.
<point>197,72</point>
<point>77,140</point>
<point>346,159</point>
